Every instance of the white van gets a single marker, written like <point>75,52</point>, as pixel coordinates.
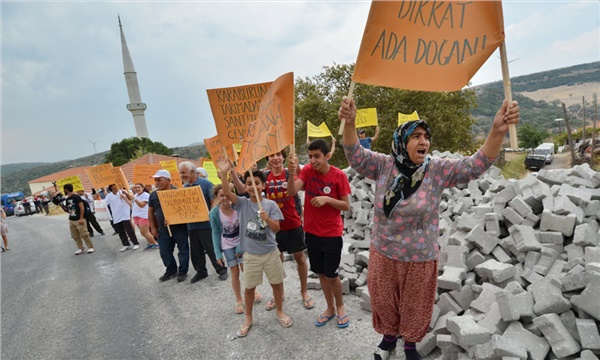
<point>546,149</point>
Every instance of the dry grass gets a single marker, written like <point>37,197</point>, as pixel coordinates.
<point>514,168</point>
<point>565,94</point>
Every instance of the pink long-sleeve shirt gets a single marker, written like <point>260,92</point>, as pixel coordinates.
<point>410,233</point>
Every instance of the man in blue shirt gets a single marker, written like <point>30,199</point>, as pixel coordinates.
<point>366,141</point>
<point>200,233</point>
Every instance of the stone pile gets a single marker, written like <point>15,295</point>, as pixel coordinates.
<point>519,265</point>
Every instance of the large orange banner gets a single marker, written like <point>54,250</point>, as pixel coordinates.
<point>182,206</point>
<point>142,173</point>
<point>101,175</point>
<point>427,45</point>
<point>234,108</point>
<point>274,127</point>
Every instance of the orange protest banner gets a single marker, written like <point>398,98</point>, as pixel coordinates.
<point>171,167</point>
<point>427,45</point>
<point>215,149</point>
<point>273,129</point>
<point>185,205</point>
<point>234,108</point>
<point>120,179</point>
<point>101,175</point>
<point>142,173</point>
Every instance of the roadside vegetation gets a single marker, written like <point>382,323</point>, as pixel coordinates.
<point>514,166</point>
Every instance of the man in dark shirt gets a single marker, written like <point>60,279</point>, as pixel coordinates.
<point>74,206</point>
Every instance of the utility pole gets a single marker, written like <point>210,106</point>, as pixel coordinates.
<point>594,132</point>
<point>583,128</point>
<point>571,144</point>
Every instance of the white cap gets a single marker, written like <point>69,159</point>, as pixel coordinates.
<point>203,171</point>
<point>162,173</point>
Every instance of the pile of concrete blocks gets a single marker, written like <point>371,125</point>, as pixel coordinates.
<point>519,265</point>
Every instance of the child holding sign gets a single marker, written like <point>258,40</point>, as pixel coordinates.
<point>257,240</point>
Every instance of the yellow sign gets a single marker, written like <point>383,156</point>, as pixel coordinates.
<point>318,131</point>
<point>101,175</point>
<point>171,167</point>
<point>427,45</point>
<point>366,117</point>
<point>73,180</point>
<point>182,206</point>
<point>402,118</point>
<point>211,169</point>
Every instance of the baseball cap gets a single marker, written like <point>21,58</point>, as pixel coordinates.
<point>162,173</point>
<point>361,131</point>
<point>203,172</point>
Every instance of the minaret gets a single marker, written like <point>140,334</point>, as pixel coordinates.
<point>136,106</point>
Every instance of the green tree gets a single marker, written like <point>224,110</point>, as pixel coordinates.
<point>132,148</point>
<point>530,137</point>
<point>447,113</point>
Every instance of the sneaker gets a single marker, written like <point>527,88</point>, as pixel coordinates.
<point>181,277</point>
<point>136,246</point>
<point>197,278</point>
<point>91,235</point>
<point>90,250</point>
<point>166,276</point>
<point>102,233</point>
<point>148,247</point>
<point>124,248</point>
<point>223,276</point>
<point>79,251</point>
<point>155,246</point>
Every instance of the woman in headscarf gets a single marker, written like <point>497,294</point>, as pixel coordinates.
<point>403,259</point>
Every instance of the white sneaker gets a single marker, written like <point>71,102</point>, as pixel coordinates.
<point>90,250</point>
<point>79,251</point>
<point>135,247</point>
<point>124,248</point>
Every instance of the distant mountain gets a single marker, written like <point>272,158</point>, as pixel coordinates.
<point>531,91</point>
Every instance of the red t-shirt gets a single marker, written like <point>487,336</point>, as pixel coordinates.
<point>325,221</point>
<point>276,190</point>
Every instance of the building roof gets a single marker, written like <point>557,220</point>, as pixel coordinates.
<point>151,159</point>
<point>80,171</point>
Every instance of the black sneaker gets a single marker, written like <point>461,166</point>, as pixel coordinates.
<point>166,277</point>
<point>223,276</point>
<point>102,233</point>
<point>181,277</point>
<point>197,278</point>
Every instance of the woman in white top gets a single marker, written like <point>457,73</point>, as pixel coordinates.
<point>139,206</point>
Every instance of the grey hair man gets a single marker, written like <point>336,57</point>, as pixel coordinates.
<point>200,233</point>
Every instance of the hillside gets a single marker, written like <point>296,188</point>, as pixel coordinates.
<point>540,96</point>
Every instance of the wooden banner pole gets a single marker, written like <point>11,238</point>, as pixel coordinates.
<point>512,128</point>
<point>343,123</point>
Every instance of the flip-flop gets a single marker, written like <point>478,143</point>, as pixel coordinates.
<point>244,330</point>
<point>271,303</point>
<point>239,308</point>
<point>323,319</point>
<point>307,303</point>
<point>257,297</point>
<point>343,325</point>
<point>284,321</point>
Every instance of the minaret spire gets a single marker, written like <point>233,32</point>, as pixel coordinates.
<point>136,106</point>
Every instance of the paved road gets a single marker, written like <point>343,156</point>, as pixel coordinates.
<point>110,305</point>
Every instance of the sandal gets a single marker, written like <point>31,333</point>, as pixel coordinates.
<point>244,330</point>
<point>257,297</point>
<point>286,321</point>
<point>271,303</point>
<point>323,319</point>
<point>239,308</point>
<point>308,303</point>
<point>343,325</point>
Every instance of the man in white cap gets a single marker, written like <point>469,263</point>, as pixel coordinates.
<point>166,242</point>
<point>200,232</point>
<point>203,173</point>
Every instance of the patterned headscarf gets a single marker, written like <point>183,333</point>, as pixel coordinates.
<point>410,174</point>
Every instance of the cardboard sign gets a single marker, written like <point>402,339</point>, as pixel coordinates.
<point>171,167</point>
<point>215,150</point>
<point>273,129</point>
<point>211,169</point>
<point>234,108</point>
<point>101,175</point>
<point>402,118</point>
<point>142,173</point>
<point>182,206</point>
<point>73,180</point>
<point>120,179</point>
<point>427,45</point>
<point>366,117</point>
<point>317,131</point>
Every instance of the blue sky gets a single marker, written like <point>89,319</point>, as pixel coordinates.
<point>63,87</point>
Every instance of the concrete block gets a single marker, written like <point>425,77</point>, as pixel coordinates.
<point>537,347</point>
<point>592,254</point>
<point>362,258</point>
<point>492,223</point>
<point>427,345</point>
<point>549,237</point>
<point>569,321</point>
<point>466,222</point>
<point>558,336</point>
<point>499,347</point>
<point>546,260</point>
<point>459,238</point>
<point>484,241</point>
<point>512,216</point>
<point>452,278</point>
<point>456,256</point>
<point>530,276</point>
<point>467,331</point>
<point>487,297</point>
<point>520,206</point>
<point>579,197</point>
<point>557,268</point>
<point>463,297</point>
<point>564,206</point>
<point>575,281</point>
<point>563,223</point>
<point>473,259</point>
<point>514,307</point>
<point>548,297</point>
<point>440,325</point>
<point>450,351</point>
<point>493,320</point>
<point>531,259</point>
<point>480,211</point>
<point>574,252</point>
<point>345,286</point>
<point>592,266</point>
<point>495,270</point>
<point>587,355</point>
<point>447,304</point>
<point>365,306</point>
<point>588,300</point>
<point>313,284</point>
<point>435,314</point>
<point>585,236</point>
<point>508,244</point>
<point>525,239</point>
<point>501,255</point>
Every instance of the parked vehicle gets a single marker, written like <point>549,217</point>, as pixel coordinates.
<point>546,149</point>
<point>20,209</point>
<point>535,161</point>
<point>9,201</point>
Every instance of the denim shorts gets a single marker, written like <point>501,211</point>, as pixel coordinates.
<point>232,260</point>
